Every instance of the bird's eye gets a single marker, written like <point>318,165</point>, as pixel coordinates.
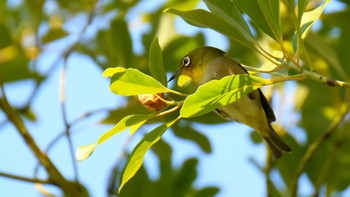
<point>186,61</point>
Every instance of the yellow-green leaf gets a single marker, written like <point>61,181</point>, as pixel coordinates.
<point>307,21</point>
<point>128,82</point>
<point>138,153</point>
<point>109,72</point>
<point>84,152</point>
<point>218,93</point>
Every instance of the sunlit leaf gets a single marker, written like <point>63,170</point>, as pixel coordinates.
<point>307,21</point>
<point>156,62</point>
<point>301,8</point>
<point>124,124</point>
<point>135,127</point>
<point>84,152</point>
<point>218,93</point>
<point>109,72</point>
<point>205,19</point>
<point>128,82</point>
<point>138,153</point>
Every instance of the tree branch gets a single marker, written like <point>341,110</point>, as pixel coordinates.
<point>26,179</point>
<point>315,76</point>
<point>55,177</point>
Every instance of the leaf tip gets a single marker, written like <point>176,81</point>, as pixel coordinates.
<point>84,152</point>
<point>109,72</point>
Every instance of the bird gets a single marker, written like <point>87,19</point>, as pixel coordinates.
<point>207,63</point>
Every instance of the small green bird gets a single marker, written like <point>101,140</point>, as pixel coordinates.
<point>208,63</point>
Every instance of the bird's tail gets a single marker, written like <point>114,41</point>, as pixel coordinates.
<point>276,144</point>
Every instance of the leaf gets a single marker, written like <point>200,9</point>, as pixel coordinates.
<point>301,8</point>
<point>205,19</point>
<point>128,82</point>
<point>189,133</point>
<point>271,10</point>
<point>122,125</point>
<point>120,40</point>
<point>218,93</point>
<point>265,14</point>
<point>186,176</point>
<point>307,21</point>
<point>109,72</point>
<point>229,11</point>
<point>138,154</point>
<point>156,62</point>
<point>54,34</point>
<point>84,152</point>
<point>135,127</point>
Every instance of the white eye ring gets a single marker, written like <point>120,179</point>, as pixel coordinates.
<point>186,61</point>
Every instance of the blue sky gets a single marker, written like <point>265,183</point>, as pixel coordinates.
<point>228,167</point>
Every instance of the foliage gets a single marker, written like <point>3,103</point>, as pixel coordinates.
<point>279,35</point>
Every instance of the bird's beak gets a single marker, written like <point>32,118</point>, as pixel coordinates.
<point>177,73</point>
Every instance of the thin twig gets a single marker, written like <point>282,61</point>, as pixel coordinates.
<point>62,94</point>
<point>26,179</point>
<point>65,120</point>
<point>315,76</point>
<point>18,123</point>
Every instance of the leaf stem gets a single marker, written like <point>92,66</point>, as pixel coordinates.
<point>168,111</point>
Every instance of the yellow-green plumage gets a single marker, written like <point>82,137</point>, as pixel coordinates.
<point>208,63</point>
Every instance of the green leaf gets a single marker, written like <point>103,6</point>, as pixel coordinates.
<point>122,125</point>
<point>156,62</point>
<point>84,152</point>
<point>205,19</point>
<point>186,176</point>
<point>54,34</point>
<point>229,11</point>
<point>307,21</point>
<point>120,39</point>
<point>138,154</point>
<point>207,192</point>
<point>301,8</point>
<point>15,66</point>
<point>265,14</point>
<point>128,82</point>
<point>271,11</point>
<point>218,93</point>
<point>189,133</point>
